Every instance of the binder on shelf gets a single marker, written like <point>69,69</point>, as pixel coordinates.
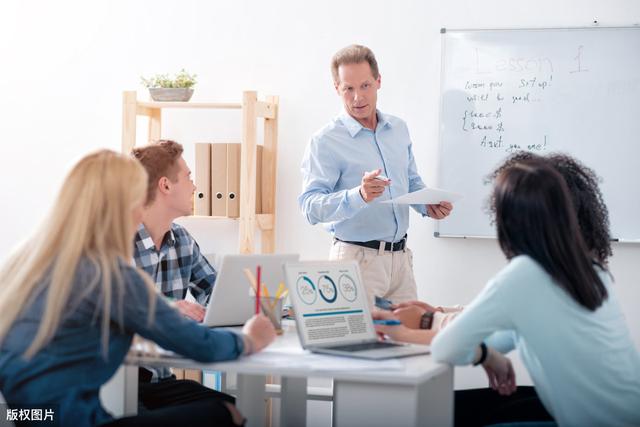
<point>202,198</point>
<point>218,179</point>
<point>233,180</point>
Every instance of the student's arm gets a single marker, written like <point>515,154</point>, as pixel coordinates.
<point>502,341</point>
<point>489,312</point>
<point>318,201</point>
<point>203,276</point>
<point>401,333</point>
<point>169,328</point>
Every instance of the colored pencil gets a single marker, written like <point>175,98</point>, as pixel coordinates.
<point>258,274</point>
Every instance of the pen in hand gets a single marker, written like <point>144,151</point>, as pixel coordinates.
<point>387,322</point>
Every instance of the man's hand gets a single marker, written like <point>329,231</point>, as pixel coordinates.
<point>371,187</point>
<point>502,377</point>
<point>190,309</point>
<point>439,211</point>
<point>260,331</point>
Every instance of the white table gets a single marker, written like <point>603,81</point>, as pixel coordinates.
<point>410,391</point>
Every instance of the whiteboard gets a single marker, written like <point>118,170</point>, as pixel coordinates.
<point>545,90</point>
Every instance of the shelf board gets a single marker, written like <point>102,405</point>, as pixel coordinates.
<point>207,217</point>
<point>204,105</point>
<point>263,221</point>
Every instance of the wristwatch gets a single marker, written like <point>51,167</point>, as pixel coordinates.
<point>426,320</point>
<point>483,354</point>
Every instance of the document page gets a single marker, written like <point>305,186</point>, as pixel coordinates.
<point>426,196</point>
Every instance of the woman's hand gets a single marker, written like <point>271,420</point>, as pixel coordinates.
<point>410,316</point>
<point>422,305</point>
<point>502,377</point>
<point>400,332</point>
<point>260,331</point>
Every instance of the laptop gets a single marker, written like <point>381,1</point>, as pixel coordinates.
<point>232,303</point>
<point>332,312</point>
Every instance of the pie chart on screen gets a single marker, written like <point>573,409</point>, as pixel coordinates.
<point>306,290</point>
<point>347,287</point>
<point>327,288</point>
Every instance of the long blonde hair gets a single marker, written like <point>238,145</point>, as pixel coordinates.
<point>91,219</point>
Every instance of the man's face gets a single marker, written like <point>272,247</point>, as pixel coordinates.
<point>182,190</point>
<point>359,91</point>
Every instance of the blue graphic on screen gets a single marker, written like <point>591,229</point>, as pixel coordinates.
<point>327,288</point>
<point>306,290</point>
<point>347,287</point>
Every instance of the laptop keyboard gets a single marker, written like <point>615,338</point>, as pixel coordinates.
<point>365,346</point>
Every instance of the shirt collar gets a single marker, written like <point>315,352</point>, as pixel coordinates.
<point>145,242</point>
<point>353,126</point>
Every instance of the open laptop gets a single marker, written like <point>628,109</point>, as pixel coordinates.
<point>231,302</point>
<point>332,313</point>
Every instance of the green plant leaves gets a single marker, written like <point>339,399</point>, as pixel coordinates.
<point>181,79</point>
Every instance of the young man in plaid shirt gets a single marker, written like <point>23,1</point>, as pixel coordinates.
<point>170,255</point>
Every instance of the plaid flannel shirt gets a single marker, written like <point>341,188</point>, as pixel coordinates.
<point>178,266</point>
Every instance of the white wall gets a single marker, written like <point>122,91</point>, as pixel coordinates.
<point>64,65</point>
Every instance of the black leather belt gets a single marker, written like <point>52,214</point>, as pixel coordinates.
<point>375,244</point>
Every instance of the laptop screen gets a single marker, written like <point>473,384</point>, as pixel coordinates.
<point>330,302</point>
<point>231,301</point>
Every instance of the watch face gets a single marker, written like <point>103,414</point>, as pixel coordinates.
<point>426,320</point>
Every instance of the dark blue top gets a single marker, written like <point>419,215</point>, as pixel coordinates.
<point>69,370</point>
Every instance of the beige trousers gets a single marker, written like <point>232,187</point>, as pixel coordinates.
<point>384,273</point>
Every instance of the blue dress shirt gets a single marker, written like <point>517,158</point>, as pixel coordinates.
<point>332,168</point>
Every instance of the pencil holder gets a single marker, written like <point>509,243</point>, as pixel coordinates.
<point>272,308</point>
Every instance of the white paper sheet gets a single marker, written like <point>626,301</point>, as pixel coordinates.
<point>426,196</point>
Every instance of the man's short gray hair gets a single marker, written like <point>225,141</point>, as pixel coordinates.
<point>353,54</point>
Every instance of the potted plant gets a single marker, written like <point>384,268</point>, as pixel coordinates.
<point>163,88</point>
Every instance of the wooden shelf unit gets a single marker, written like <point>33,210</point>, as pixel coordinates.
<point>252,110</point>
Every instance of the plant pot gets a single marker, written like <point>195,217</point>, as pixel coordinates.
<point>173,94</point>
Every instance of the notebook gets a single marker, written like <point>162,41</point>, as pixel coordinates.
<point>231,302</point>
<point>332,313</point>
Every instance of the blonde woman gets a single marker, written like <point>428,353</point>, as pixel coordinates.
<point>71,303</point>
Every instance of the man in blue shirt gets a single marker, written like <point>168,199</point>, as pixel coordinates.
<point>359,159</point>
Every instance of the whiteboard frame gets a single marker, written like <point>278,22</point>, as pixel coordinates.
<point>443,32</point>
